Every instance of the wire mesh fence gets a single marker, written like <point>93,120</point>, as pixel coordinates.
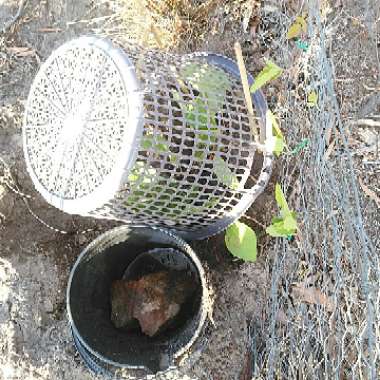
<point>322,315</point>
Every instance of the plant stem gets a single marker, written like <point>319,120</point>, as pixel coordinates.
<point>254,220</point>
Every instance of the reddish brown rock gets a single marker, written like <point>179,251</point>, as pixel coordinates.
<point>154,300</point>
<point>122,304</point>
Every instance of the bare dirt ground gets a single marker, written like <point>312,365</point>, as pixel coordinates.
<point>35,261</point>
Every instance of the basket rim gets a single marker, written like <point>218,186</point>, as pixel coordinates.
<point>134,119</point>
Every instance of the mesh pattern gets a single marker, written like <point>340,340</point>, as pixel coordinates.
<point>187,166</point>
<point>69,109</point>
<point>335,261</point>
<point>174,178</point>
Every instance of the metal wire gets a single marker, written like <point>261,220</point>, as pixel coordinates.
<point>336,334</point>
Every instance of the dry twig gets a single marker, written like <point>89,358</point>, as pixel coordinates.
<point>367,123</point>
<point>16,17</point>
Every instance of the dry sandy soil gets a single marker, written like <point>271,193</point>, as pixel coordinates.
<point>35,261</point>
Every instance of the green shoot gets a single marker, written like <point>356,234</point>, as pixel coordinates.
<point>286,224</point>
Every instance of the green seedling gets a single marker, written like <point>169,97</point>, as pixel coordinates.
<point>286,224</point>
<point>212,85</point>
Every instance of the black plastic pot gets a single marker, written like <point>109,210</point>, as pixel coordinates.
<point>106,349</point>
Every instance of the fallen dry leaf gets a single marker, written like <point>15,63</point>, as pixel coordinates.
<point>281,317</point>
<point>313,296</point>
<point>329,150</point>
<point>369,192</point>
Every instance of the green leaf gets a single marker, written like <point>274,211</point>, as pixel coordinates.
<point>224,173</point>
<point>141,174</point>
<point>277,219</point>
<point>286,225</point>
<point>200,155</point>
<point>277,230</point>
<point>290,223</point>
<point>147,142</point>
<point>173,159</point>
<point>281,200</point>
<point>312,99</point>
<point>275,127</point>
<point>200,112</point>
<point>212,83</point>
<point>211,202</point>
<point>158,143</point>
<point>269,72</point>
<point>294,31</point>
<point>196,113</point>
<point>241,241</point>
<point>276,143</point>
<point>297,28</point>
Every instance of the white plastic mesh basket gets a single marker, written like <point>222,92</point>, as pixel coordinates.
<point>142,137</point>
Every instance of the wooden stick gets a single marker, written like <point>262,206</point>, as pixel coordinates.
<point>247,93</point>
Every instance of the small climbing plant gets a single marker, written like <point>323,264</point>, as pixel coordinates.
<point>240,239</point>
<point>284,225</point>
